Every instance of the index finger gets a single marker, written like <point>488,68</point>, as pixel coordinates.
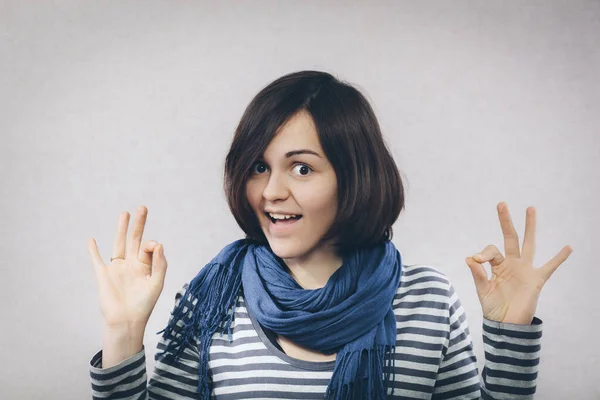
<point>511,238</point>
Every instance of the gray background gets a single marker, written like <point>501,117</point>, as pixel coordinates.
<point>108,105</point>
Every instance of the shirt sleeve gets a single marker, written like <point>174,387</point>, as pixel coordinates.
<point>512,355</point>
<point>171,379</point>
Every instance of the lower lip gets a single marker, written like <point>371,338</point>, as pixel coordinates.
<point>283,226</point>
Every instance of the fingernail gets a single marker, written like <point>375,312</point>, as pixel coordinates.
<point>478,256</point>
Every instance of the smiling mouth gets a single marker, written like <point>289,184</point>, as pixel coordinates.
<point>286,220</point>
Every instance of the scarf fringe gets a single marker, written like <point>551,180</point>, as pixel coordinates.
<point>216,291</point>
<point>364,366</point>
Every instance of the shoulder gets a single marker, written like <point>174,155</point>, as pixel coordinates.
<point>422,302</point>
<point>189,300</point>
<point>203,279</point>
<point>423,282</point>
<point>423,275</point>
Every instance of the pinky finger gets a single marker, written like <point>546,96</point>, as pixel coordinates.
<point>548,269</point>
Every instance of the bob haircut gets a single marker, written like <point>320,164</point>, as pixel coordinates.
<point>370,192</point>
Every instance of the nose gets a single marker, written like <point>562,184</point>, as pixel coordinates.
<point>276,188</point>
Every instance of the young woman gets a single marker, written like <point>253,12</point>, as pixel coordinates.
<point>315,302</point>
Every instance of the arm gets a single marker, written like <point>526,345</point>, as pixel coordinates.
<point>127,380</point>
<point>511,359</point>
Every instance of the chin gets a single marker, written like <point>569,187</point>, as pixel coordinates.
<point>287,248</point>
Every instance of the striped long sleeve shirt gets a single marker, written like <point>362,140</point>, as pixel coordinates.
<point>434,356</point>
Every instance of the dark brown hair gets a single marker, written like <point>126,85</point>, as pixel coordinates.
<point>370,190</point>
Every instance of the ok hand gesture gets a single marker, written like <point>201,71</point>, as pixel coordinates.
<point>131,284</point>
<point>512,293</point>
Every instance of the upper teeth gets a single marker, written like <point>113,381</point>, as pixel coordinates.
<point>281,216</point>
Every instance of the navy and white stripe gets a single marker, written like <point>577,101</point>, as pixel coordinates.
<point>434,356</point>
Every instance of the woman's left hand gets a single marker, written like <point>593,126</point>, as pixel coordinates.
<point>512,294</point>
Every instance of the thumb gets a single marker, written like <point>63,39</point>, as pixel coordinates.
<point>97,262</point>
<point>159,266</point>
<point>480,276</point>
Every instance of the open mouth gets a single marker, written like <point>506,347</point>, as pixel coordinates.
<point>283,221</point>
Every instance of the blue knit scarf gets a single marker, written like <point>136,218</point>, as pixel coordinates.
<point>351,315</point>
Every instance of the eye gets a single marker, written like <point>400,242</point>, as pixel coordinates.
<point>259,167</point>
<point>303,169</point>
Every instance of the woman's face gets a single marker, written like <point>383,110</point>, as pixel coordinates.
<point>294,178</point>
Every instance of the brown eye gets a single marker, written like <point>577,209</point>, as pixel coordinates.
<point>259,168</point>
<point>303,169</point>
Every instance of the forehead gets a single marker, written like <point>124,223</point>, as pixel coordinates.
<point>299,132</point>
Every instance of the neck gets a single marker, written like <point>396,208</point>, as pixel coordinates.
<point>313,270</point>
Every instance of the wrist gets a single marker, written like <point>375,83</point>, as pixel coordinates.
<point>125,328</point>
<point>120,343</point>
<point>512,320</point>
<point>517,321</point>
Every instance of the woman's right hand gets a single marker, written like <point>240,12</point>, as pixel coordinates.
<point>130,285</point>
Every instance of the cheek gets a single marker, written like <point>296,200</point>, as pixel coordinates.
<point>253,194</point>
<point>322,202</point>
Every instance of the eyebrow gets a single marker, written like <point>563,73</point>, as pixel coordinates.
<point>301,151</point>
